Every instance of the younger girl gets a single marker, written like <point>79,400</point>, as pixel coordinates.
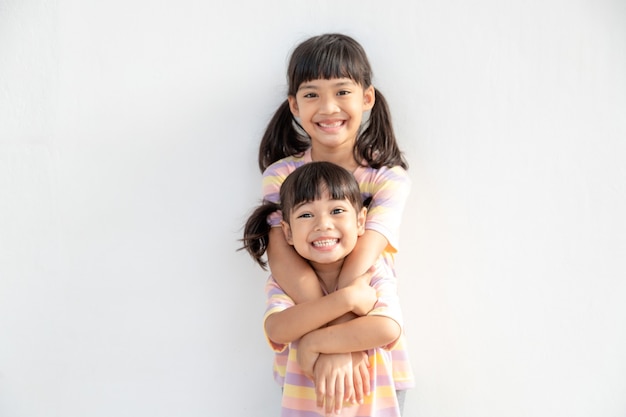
<point>329,91</point>
<point>323,219</point>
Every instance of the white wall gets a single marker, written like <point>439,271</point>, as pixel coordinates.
<point>128,136</point>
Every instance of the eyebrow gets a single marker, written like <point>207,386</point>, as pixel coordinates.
<point>306,86</point>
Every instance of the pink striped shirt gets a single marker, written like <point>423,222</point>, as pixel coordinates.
<point>388,188</point>
<point>299,392</point>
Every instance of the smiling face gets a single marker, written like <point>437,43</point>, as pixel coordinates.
<point>331,111</point>
<point>324,231</point>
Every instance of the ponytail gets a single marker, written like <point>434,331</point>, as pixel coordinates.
<point>377,143</point>
<point>281,139</point>
<point>256,232</point>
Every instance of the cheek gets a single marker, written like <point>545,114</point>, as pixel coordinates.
<point>350,243</point>
<point>352,236</point>
<point>299,238</point>
<point>302,248</point>
<point>357,115</point>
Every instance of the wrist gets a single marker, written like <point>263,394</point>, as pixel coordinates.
<point>349,298</point>
<point>307,342</point>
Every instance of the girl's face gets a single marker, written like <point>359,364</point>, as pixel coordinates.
<point>331,111</point>
<point>324,231</point>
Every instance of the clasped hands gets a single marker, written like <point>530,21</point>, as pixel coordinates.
<point>339,377</point>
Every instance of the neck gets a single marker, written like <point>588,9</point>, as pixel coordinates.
<point>328,274</point>
<point>344,158</point>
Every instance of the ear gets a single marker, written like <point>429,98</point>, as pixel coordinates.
<point>287,231</point>
<point>360,221</point>
<point>293,106</point>
<point>369,98</point>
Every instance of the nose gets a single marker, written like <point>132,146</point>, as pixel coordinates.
<point>324,222</point>
<point>328,105</point>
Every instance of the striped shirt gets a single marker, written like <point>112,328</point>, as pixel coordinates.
<point>299,398</point>
<point>388,189</point>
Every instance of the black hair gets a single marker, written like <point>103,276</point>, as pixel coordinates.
<point>307,183</point>
<point>331,56</point>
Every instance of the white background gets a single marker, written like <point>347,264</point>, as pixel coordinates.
<point>128,140</point>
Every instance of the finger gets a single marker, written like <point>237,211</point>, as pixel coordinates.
<point>349,385</point>
<point>351,389</point>
<point>320,392</point>
<point>365,378</point>
<point>339,392</point>
<point>362,372</point>
<point>330,395</point>
<point>358,387</point>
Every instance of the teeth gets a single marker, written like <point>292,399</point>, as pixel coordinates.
<point>323,243</point>
<point>335,124</point>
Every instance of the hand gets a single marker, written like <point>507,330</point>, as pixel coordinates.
<point>361,376</point>
<point>365,296</point>
<point>306,357</point>
<point>332,375</point>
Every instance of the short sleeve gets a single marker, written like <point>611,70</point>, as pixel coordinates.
<point>277,301</point>
<point>388,303</point>
<point>273,178</point>
<point>388,189</point>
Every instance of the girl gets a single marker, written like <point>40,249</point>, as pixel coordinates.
<point>323,219</point>
<point>329,91</point>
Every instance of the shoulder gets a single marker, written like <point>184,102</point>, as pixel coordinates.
<point>276,293</point>
<point>285,166</point>
<point>383,175</point>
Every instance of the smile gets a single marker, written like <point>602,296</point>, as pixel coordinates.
<point>332,125</point>
<point>325,243</point>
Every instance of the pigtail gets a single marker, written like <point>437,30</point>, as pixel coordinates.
<point>281,139</point>
<point>377,143</point>
<point>256,232</point>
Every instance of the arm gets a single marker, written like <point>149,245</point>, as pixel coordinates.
<point>362,333</point>
<point>293,273</point>
<point>389,189</point>
<point>365,254</point>
<point>290,270</point>
<point>380,328</point>
<point>292,323</point>
<point>329,379</point>
<point>331,385</point>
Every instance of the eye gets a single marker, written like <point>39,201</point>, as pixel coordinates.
<point>343,93</point>
<point>304,216</point>
<point>338,210</point>
<point>310,95</point>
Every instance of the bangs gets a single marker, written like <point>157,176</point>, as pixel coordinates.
<point>308,192</point>
<point>328,57</point>
<point>311,181</point>
<point>327,65</point>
